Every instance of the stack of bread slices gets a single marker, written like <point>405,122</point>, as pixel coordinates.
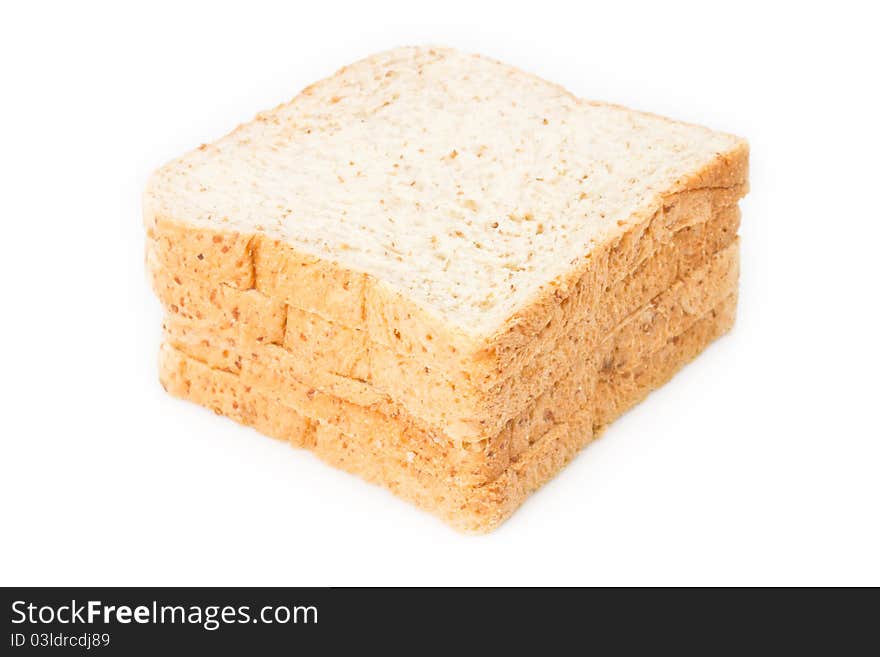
<point>443,274</point>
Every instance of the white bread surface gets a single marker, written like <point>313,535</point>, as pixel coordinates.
<point>439,188</point>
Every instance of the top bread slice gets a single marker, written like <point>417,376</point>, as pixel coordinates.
<point>450,206</point>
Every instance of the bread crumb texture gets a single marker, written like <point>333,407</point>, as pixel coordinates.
<point>461,183</point>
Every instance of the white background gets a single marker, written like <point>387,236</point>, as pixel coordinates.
<point>758,464</point>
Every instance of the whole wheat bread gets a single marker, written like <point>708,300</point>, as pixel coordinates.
<point>435,257</point>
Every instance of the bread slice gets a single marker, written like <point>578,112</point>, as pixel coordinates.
<point>464,214</point>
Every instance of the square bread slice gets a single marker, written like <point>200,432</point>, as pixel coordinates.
<point>446,241</point>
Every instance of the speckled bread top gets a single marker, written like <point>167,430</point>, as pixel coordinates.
<point>463,185</point>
